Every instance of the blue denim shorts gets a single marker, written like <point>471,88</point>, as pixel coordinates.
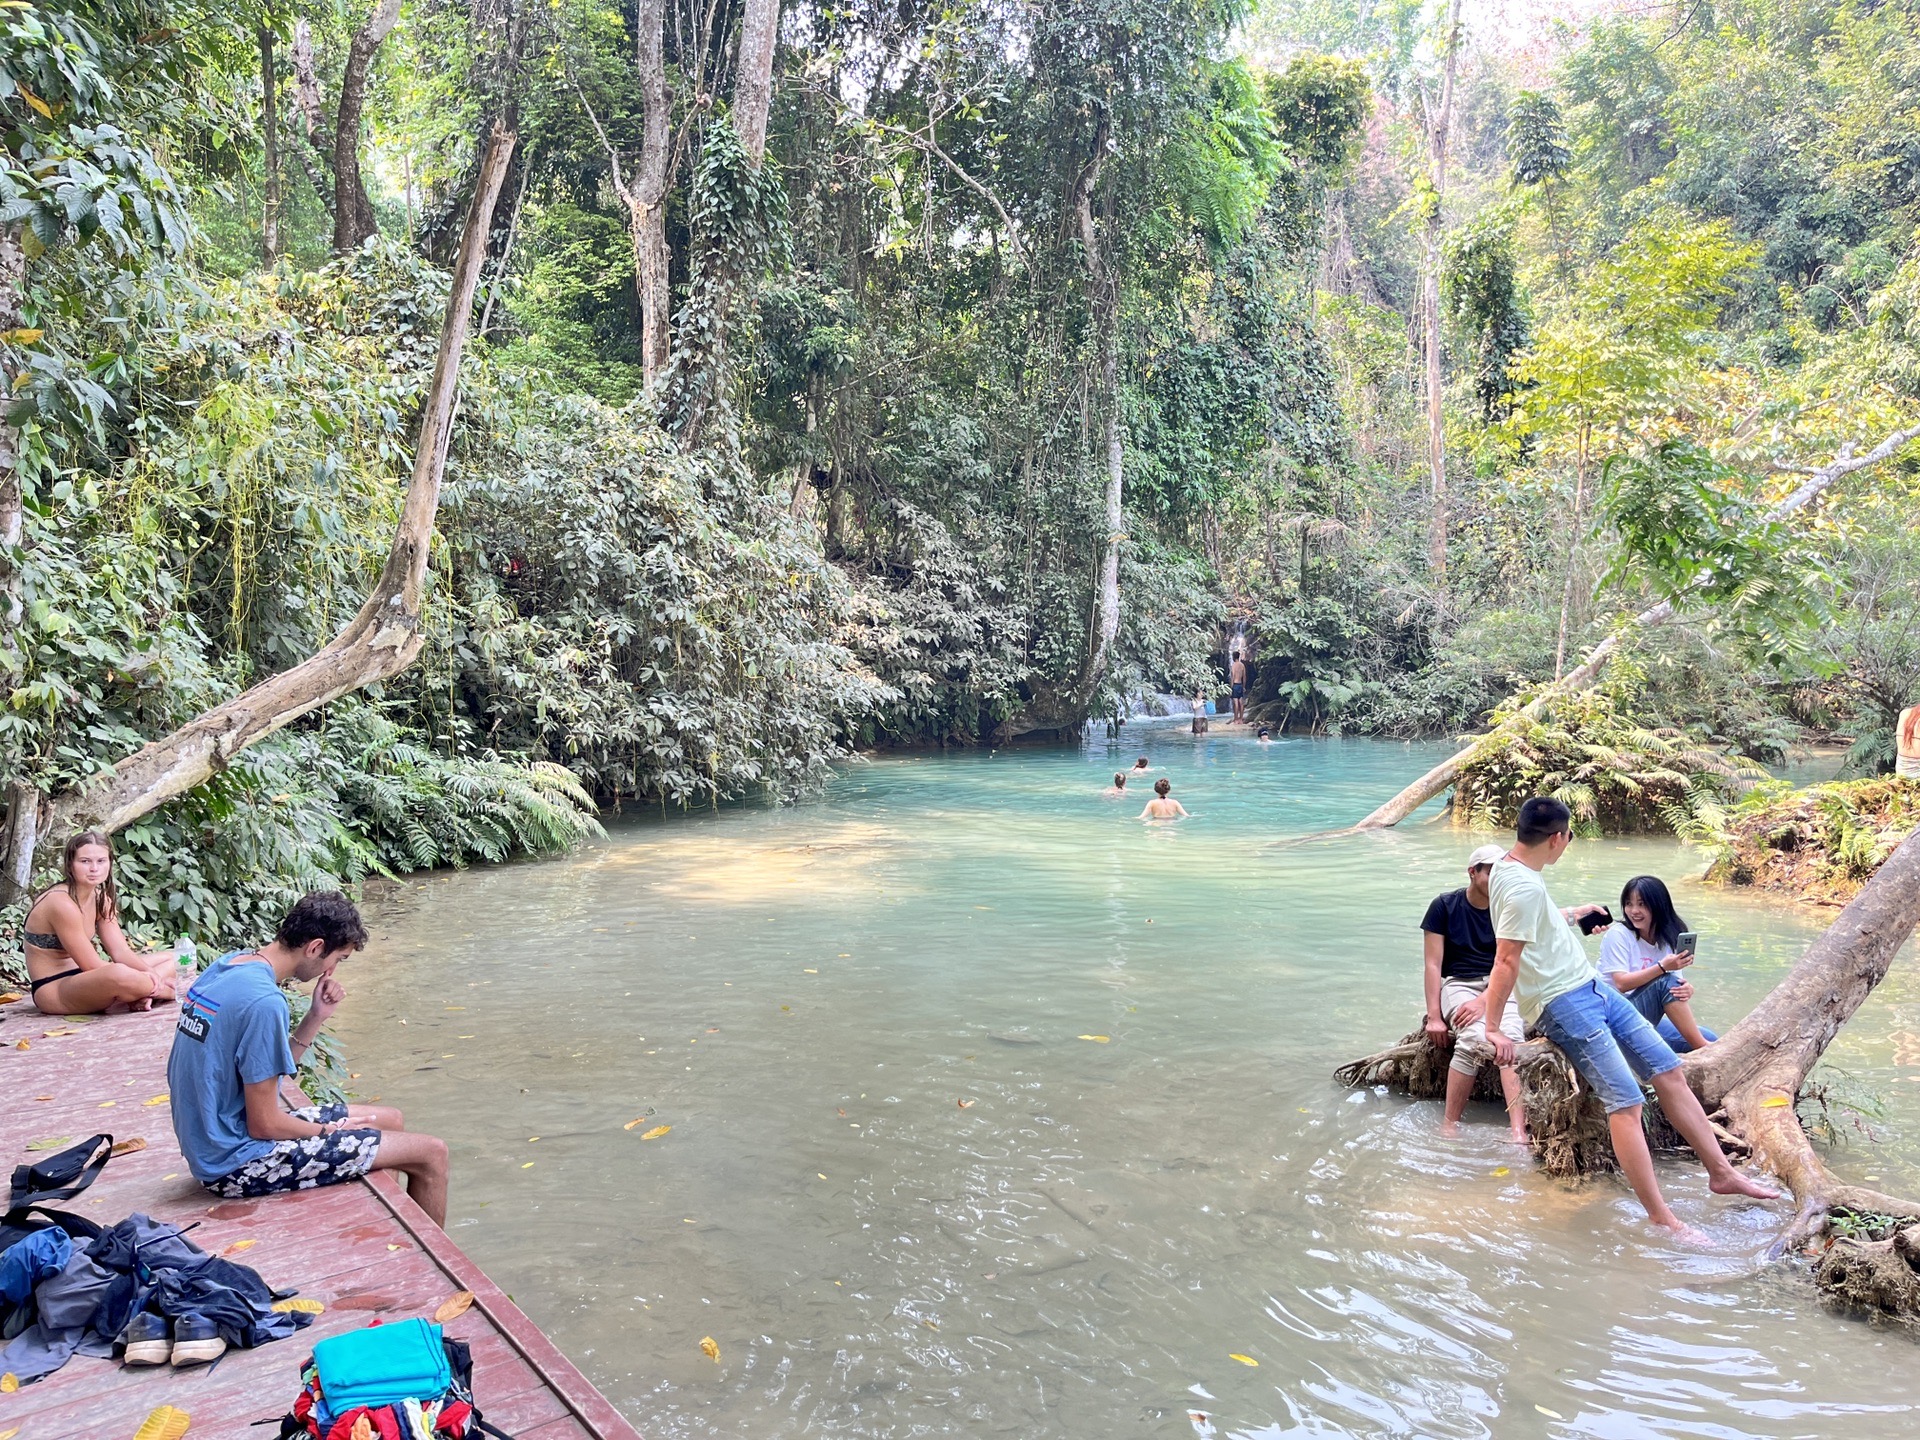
<point>1609,1042</point>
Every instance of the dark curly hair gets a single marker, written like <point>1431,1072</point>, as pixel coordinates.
<point>324,915</point>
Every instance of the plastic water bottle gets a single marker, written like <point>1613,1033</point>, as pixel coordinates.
<point>188,954</point>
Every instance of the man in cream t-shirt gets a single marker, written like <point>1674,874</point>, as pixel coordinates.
<point>1538,959</point>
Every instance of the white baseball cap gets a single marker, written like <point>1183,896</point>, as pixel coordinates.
<point>1485,855</point>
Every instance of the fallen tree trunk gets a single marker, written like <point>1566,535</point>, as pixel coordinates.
<point>1756,1071</point>
<point>1749,1083</point>
<point>1447,771</point>
<point>380,641</point>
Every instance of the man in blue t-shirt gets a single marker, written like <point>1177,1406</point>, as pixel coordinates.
<point>231,1049</point>
<point>1459,953</point>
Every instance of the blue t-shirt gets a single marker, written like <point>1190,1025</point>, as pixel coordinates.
<point>232,1033</point>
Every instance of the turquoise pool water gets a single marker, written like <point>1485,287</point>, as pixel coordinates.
<point>906,1195</point>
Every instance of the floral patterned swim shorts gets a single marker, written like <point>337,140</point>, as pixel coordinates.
<point>306,1163</point>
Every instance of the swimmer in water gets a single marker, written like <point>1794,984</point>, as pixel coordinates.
<point>1119,786</point>
<point>1163,806</point>
<point>1266,736</point>
<point>1140,766</point>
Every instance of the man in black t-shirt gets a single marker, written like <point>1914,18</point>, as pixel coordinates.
<point>1459,953</point>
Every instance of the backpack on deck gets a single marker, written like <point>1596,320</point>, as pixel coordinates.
<point>406,1380</point>
<point>59,1177</point>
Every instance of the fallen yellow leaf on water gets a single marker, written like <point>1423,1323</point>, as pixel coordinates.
<point>22,1045</point>
<point>238,1246</point>
<point>9,1434</point>
<point>43,1097</point>
<point>1772,1102</point>
<point>637,1120</point>
<point>128,1147</point>
<point>56,1034</point>
<point>656,1132</point>
<point>1245,1360</point>
<point>811,972</point>
<point>527,1166</point>
<point>1550,1414</point>
<point>1503,1170</point>
<point>393,1247</point>
<point>106,1104</point>
<point>9,1383</point>
<point>821,1174</point>
<point>964,1104</point>
<point>710,1348</point>
<point>157,1100</point>
<point>1102,1039</point>
<point>52,1142</point>
<point>166,1423</point>
<point>300,1305</point>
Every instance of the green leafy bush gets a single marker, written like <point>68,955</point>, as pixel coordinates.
<point>1617,776</point>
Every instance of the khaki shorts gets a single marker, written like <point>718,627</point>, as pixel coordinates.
<point>1470,1047</point>
<point>1907,767</point>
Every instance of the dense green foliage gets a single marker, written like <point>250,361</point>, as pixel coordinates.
<point>864,502</point>
<point>1679,273</point>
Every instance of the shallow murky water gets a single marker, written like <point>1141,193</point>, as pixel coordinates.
<point>908,1195</point>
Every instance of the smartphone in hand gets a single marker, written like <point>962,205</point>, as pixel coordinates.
<point>1595,920</point>
<point>1685,943</point>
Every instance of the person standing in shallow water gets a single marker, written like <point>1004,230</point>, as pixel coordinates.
<point>1237,676</point>
<point>1537,957</point>
<point>1163,806</point>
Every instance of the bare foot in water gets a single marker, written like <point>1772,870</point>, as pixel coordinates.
<point>1449,1129</point>
<point>1684,1234</point>
<point>1734,1183</point>
<point>1520,1137</point>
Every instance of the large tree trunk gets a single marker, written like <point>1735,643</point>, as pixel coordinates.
<point>1756,1070</point>
<point>699,381</point>
<point>1749,1084</point>
<point>1067,706</point>
<point>1107,326</point>
<point>270,151</point>
<point>13,275</point>
<point>306,86</point>
<point>21,836</point>
<point>1438,127</point>
<point>352,210</point>
<point>381,640</point>
<point>753,90</point>
<point>647,201</point>
<point>1442,775</point>
<point>1582,459</point>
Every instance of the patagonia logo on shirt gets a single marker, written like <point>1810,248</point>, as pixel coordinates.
<point>196,1015</point>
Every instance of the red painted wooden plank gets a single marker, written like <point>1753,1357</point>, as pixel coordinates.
<point>363,1250</point>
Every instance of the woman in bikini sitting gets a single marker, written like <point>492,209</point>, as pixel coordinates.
<point>68,975</point>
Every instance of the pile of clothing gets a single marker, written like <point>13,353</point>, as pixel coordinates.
<point>140,1289</point>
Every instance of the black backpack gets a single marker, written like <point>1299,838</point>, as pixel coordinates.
<point>37,1187</point>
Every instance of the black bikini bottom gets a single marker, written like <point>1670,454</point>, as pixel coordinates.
<point>49,979</point>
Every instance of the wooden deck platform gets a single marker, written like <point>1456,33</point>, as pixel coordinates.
<point>363,1250</point>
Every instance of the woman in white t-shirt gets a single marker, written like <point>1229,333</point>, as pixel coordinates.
<point>1640,958</point>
